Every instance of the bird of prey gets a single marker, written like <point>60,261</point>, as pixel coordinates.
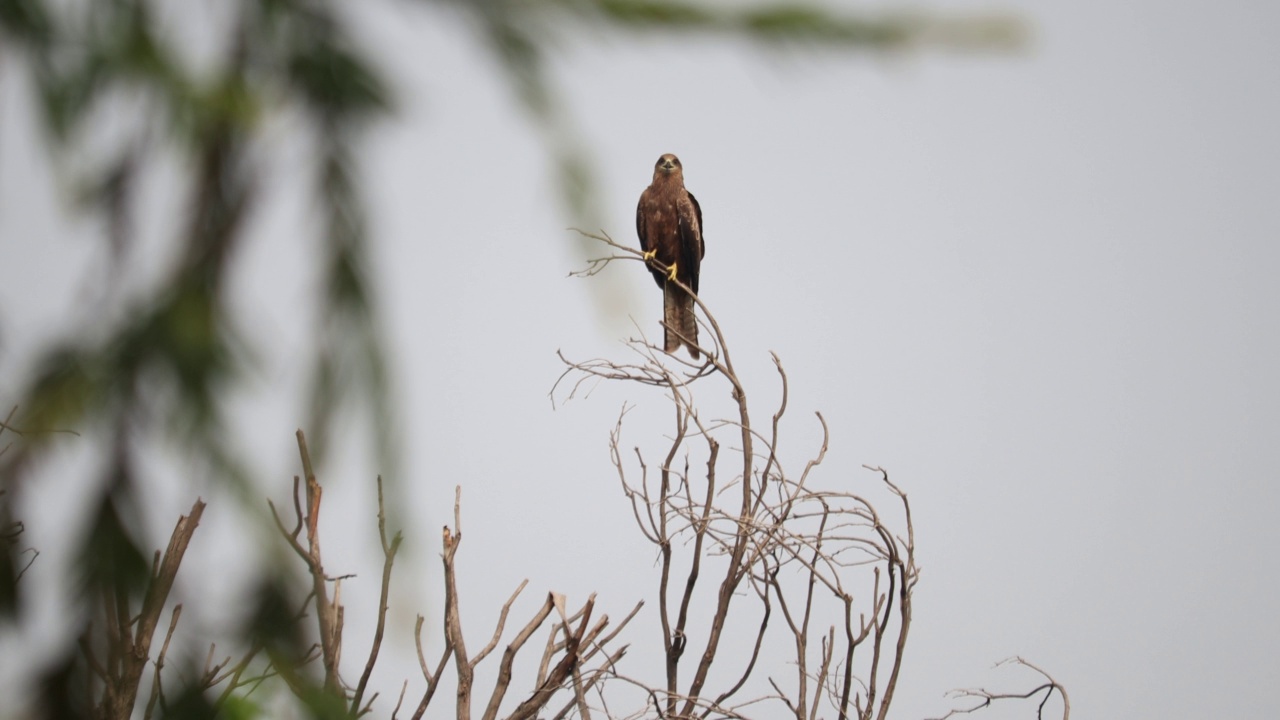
<point>669,223</point>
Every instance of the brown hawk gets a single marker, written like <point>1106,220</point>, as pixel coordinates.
<point>669,223</point>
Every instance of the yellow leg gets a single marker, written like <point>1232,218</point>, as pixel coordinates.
<point>650,255</point>
<point>671,274</point>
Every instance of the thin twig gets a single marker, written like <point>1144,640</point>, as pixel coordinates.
<point>389,557</point>
<point>156,691</point>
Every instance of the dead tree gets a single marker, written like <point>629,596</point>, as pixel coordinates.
<point>782,544</point>
<point>577,652</point>
<point>116,648</point>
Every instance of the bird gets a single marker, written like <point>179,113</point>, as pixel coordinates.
<point>669,223</point>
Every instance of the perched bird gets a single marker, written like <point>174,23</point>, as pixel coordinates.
<point>669,223</point>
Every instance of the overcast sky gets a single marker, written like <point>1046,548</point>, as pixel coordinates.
<point>1040,289</point>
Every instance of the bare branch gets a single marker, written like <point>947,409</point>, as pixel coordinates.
<point>509,655</point>
<point>400,700</point>
<point>987,698</point>
<point>156,691</point>
<point>389,556</point>
<point>556,678</point>
<point>328,613</point>
<point>433,680</point>
<point>452,616</point>
<point>128,652</point>
<point>502,622</point>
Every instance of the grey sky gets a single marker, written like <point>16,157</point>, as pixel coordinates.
<point>1039,289</point>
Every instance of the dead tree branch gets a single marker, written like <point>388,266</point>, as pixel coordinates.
<point>389,550</point>
<point>986,698</point>
<point>577,646</point>
<point>128,637</point>
<point>328,614</point>
<point>156,688</point>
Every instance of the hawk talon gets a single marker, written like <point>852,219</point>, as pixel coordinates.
<point>650,255</point>
<point>671,274</point>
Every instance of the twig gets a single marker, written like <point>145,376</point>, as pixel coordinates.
<point>156,692</point>
<point>497,630</point>
<point>389,557</point>
<point>987,698</point>
<point>452,617</point>
<point>433,680</point>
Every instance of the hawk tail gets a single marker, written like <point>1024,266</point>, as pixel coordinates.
<point>677,306</point>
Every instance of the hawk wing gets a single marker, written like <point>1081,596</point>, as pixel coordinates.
<point>640,226</point>
<point>692,248</point>
<point>658,234</point>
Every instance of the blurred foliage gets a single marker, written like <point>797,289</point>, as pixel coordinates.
<point>160,373</point>
<point>522,33</point>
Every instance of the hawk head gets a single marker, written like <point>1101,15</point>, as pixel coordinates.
<point>667,165</point>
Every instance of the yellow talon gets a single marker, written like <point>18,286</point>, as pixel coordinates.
<point>650,255</point>
<point>671,274</point>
